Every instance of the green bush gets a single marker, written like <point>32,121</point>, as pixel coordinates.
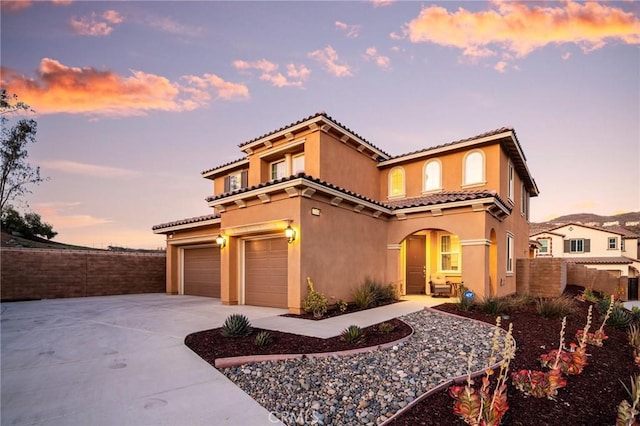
<point>236,325</point>
<point>352,334</point>
<point>263,338</point>
<point>590,295</point>
<point>314,302</point>
<point>556,307</point>
<point>371,293</point>
<point>494,305</point>
<point>342,305</point>
<point>386,327</point>
<point>620,317</point>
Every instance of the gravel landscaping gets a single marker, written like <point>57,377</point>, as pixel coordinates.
<point>367,388</point>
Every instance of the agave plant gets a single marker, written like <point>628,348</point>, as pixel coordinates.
<point>236,325</point>
<point>352,334</point>
<point>263,338</point>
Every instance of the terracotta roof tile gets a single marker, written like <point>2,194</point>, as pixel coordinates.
<point>442,197</point>
<point>599,260</point>
<point>186,221</point>
<point>224,165</point>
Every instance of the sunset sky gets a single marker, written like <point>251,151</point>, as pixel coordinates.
<point>134,99</point>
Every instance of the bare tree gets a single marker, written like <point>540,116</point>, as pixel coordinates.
<point>17,174</point>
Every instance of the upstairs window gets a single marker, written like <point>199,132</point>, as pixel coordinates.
<point>511,183</point>
<point>432,176</point>
<point>524,201</point>
<point>396,182</point>
<point>613,243</point>
<point>278,169</point>
<point>473,168</point>
<point>235,181</point>
<point>298,164</point>
<point>578,245</point>
<point>545,247</point>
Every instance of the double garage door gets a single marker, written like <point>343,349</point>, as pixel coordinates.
<point>265,268</point>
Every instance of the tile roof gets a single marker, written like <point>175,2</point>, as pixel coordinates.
<point>619,260</point>
<point>224,165</point>
<point>442,197</point>
<point>186,221</point>
<point>311,117</point>
<point>482,135</point>
<point>540,228</point>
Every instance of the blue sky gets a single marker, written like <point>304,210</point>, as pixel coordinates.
<point>135,99</point>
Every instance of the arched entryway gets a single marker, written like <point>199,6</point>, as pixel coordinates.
<point>427,253</point>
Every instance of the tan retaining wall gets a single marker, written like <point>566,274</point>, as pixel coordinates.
<point>598,280</point>
<point>541,277</point>
<point>47,274</point>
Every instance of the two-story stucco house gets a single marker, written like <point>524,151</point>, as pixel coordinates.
<point>315,199</point>
<point>612,249</point>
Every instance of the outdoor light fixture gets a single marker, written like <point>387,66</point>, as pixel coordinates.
<point>221,241</point>
<point>290,233</point>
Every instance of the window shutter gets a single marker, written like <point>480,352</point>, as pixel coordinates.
<point>227,184</point>
<point>587,246</point>
<point>244,179</point>
<point>567,246</point>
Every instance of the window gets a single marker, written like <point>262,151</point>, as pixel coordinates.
<point>613,243</point>
<point>544,247</point>
<point>511,187</point>
<point>298,164</point>
<point>524,201</point>
<point>396,182</point>
<point>449,253</point>
<point>473,168</point>
<point>432,176</point>
<point>235,181</point>
<point>578,245</point>
<point>509,253</point>
<point>278,169</point>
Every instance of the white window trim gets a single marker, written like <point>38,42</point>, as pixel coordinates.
<point>293,160</point>
<point>510,252</point>
<point>403,194</point>
<point>483,179</point>
<point>440,253</point>
<point>615,243</point>
<point>511,187</point>
<point>271,164</point>
<point>580,240</point>
<point>424,174</point>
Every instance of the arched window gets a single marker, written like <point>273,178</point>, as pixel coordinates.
<point>473,168</point>
<point>432,176</point>
<point>396,182</point>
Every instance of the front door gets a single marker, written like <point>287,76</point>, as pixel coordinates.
<point>416,267</point>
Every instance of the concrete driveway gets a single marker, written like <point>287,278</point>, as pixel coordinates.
<point>118,360</point>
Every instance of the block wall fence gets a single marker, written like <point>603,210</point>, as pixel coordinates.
<point>27,274</point>
<point>548,277</point>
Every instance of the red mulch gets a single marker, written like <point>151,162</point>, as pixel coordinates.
<point>590,398</point>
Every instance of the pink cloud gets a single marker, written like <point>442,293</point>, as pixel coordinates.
<point>58,88</point>
<point>371,54</point>
<point>296,74</point>
<point>225,90</point>
<point>521,28</point>
<point>96,25</point>
<point>352,31</point>
<point>328,57</point>
<point>382,3</point>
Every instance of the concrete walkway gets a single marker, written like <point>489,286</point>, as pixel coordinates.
<point>121,360</point>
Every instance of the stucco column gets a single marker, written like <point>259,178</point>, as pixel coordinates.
<point>172,284</point>
<point>394,270</point>
<point>475,266</point>
<point>295,281</point>
<point>229,274</point>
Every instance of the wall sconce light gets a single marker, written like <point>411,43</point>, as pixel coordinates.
<point>221,241</point>
<point>290,233</point>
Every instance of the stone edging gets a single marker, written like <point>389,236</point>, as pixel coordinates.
<point>442,386</point>
<point>239,360</point>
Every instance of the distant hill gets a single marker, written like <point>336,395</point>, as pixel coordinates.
<point>9,240</point>
<point>629,221</point>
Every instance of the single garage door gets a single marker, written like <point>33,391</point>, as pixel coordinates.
<point>202,271</point>
<point>265,280</point>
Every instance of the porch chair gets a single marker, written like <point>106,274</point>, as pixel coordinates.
<point>439,285</point>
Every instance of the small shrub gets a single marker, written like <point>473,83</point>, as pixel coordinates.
<point>633,335</point>
<point>520,302</point>
<point>557,307</point>
<point>314,302</point>
<point>364,297</point>
<point>627,412</point>
<point>342,305</point>
<point>236,325</point>
<point>352,334</point>
<point>387,293</point>
<point>386,327</point>
<point>619,317</point>
<point>464,304</point>
<point>589,295</point>
<point>635,313</point>
<point>263,338</point>
<point>494,305</point>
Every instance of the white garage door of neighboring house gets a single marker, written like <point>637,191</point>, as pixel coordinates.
<point>265,280</point>
<point>201,269</point>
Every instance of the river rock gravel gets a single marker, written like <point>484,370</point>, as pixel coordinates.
<point>367,388</point>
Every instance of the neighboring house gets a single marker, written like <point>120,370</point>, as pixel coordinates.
<point>613,249</point>
<point>315,199</point>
